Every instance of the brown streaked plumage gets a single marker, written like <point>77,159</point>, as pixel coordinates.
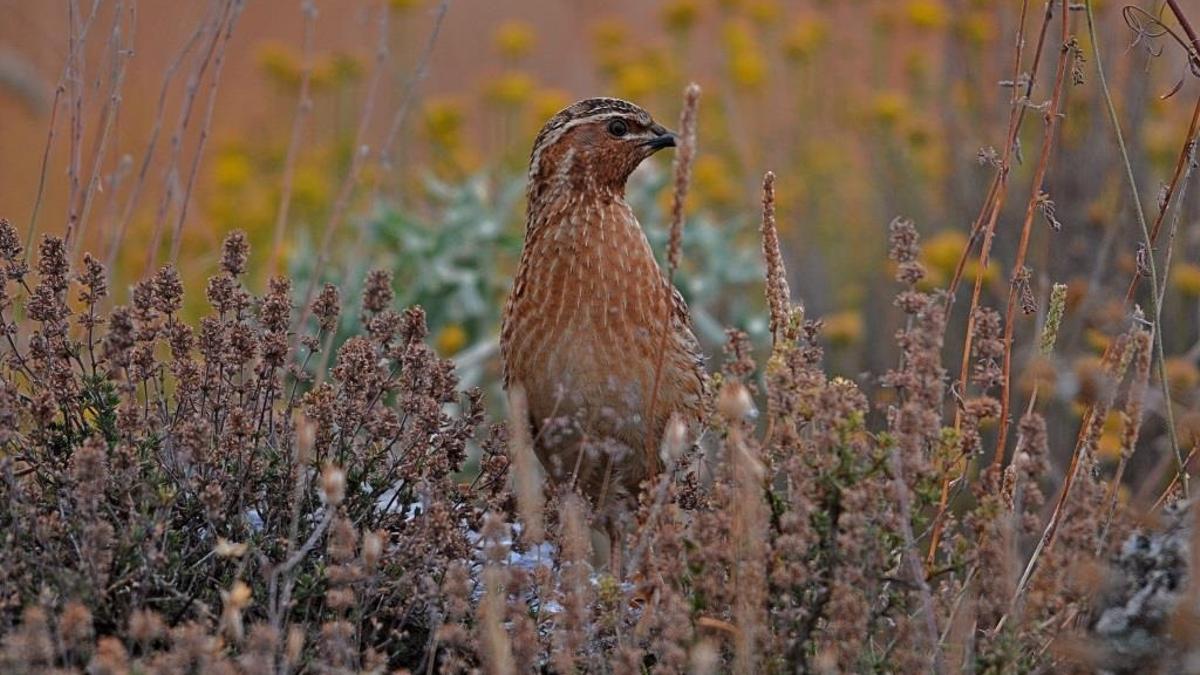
<point>583,326</point>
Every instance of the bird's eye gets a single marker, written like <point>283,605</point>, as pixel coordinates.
<point>618,128</point>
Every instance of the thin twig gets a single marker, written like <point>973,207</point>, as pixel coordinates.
<point>360,153</point>
<point>135,193</point>
<point>185,117</point>
<point>112,106</point>
<point>303,108</point>
<point>1147,241</point>
<point>1039,174</point>
<point>198,154</point>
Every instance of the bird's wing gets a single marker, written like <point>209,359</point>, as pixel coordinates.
<point>685,333</point>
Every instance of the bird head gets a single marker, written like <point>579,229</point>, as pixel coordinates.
<point>594,144</point>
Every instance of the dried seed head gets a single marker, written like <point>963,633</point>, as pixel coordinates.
<point>168,290</point>
<point>10,242</point>
<point>52,262</point>
<point>229,549</point>
<point>327,307</point>
<point>674,441</point>
<point>684,155</point>
<point>1054,315</point>
<point>146,625</point>
<point>378,294</point>
<point>333,485</point>
<point>75,625</point>
<point>372,548</point>
<point>235,252</point>
<point>734,402</point>
<point>778,293</point>
<point>233,602</point>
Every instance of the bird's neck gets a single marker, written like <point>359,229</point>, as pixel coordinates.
<point>575,211</point>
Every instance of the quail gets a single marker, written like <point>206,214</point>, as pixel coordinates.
<point>591,313</point>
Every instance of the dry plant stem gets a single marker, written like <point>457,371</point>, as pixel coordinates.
<point>777,291</point>
<point>111,107</point>
<point>59,89</point>
<point>198,154</point>
<point>385,150</point>
<point>916,569</point>
<point>993,203</point>
<point>1181,168</point>
<point>1132,414</point>
<point>76,89</point>
<point>303,108</point>
<point>419,74</point>
<point>1039,175</point>
<point>1148,242</point>
<point>1187,461</point>
<point>1118,363</point>
<point>136,191</point>
<point>171,173</point>
<point>350,180</point>
<point>1174,228</point>
<point>684,155</point>
<point>989,214</point>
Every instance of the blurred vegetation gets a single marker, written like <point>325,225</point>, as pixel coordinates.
<point>864,110</point>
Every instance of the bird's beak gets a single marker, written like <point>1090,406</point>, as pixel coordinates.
<point>662,139</point>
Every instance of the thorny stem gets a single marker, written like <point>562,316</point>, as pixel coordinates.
<point>1147,239</point>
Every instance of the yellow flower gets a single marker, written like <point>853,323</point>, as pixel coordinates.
<point>1109,446</point>
<point>713,182</point>
<point>547,103</point>
<point>942,251</point>
<point>748,68</point>
<point>747,65</point>
<point>345,67</point>
<point>926,14</point>
<point>444,121</point>
<point>765,12</point>
<point>888,107</point>
<point>232,170</point>
<point>279,63</point>
<point>1187,428</point>
<point>310,190</point>
<point>843,328</point>
<point>451,339</point>
<point>1096,339</point>
<point>977,28</point>
<point>512,88</point>
<point>514,39</point>
<point>1186,278</point>
<point>916,64</point>
<point>609,34</point>
<point>804,39</point>
<point>635,80</point>
<point>678,16</point>
<point>1182,375</point>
